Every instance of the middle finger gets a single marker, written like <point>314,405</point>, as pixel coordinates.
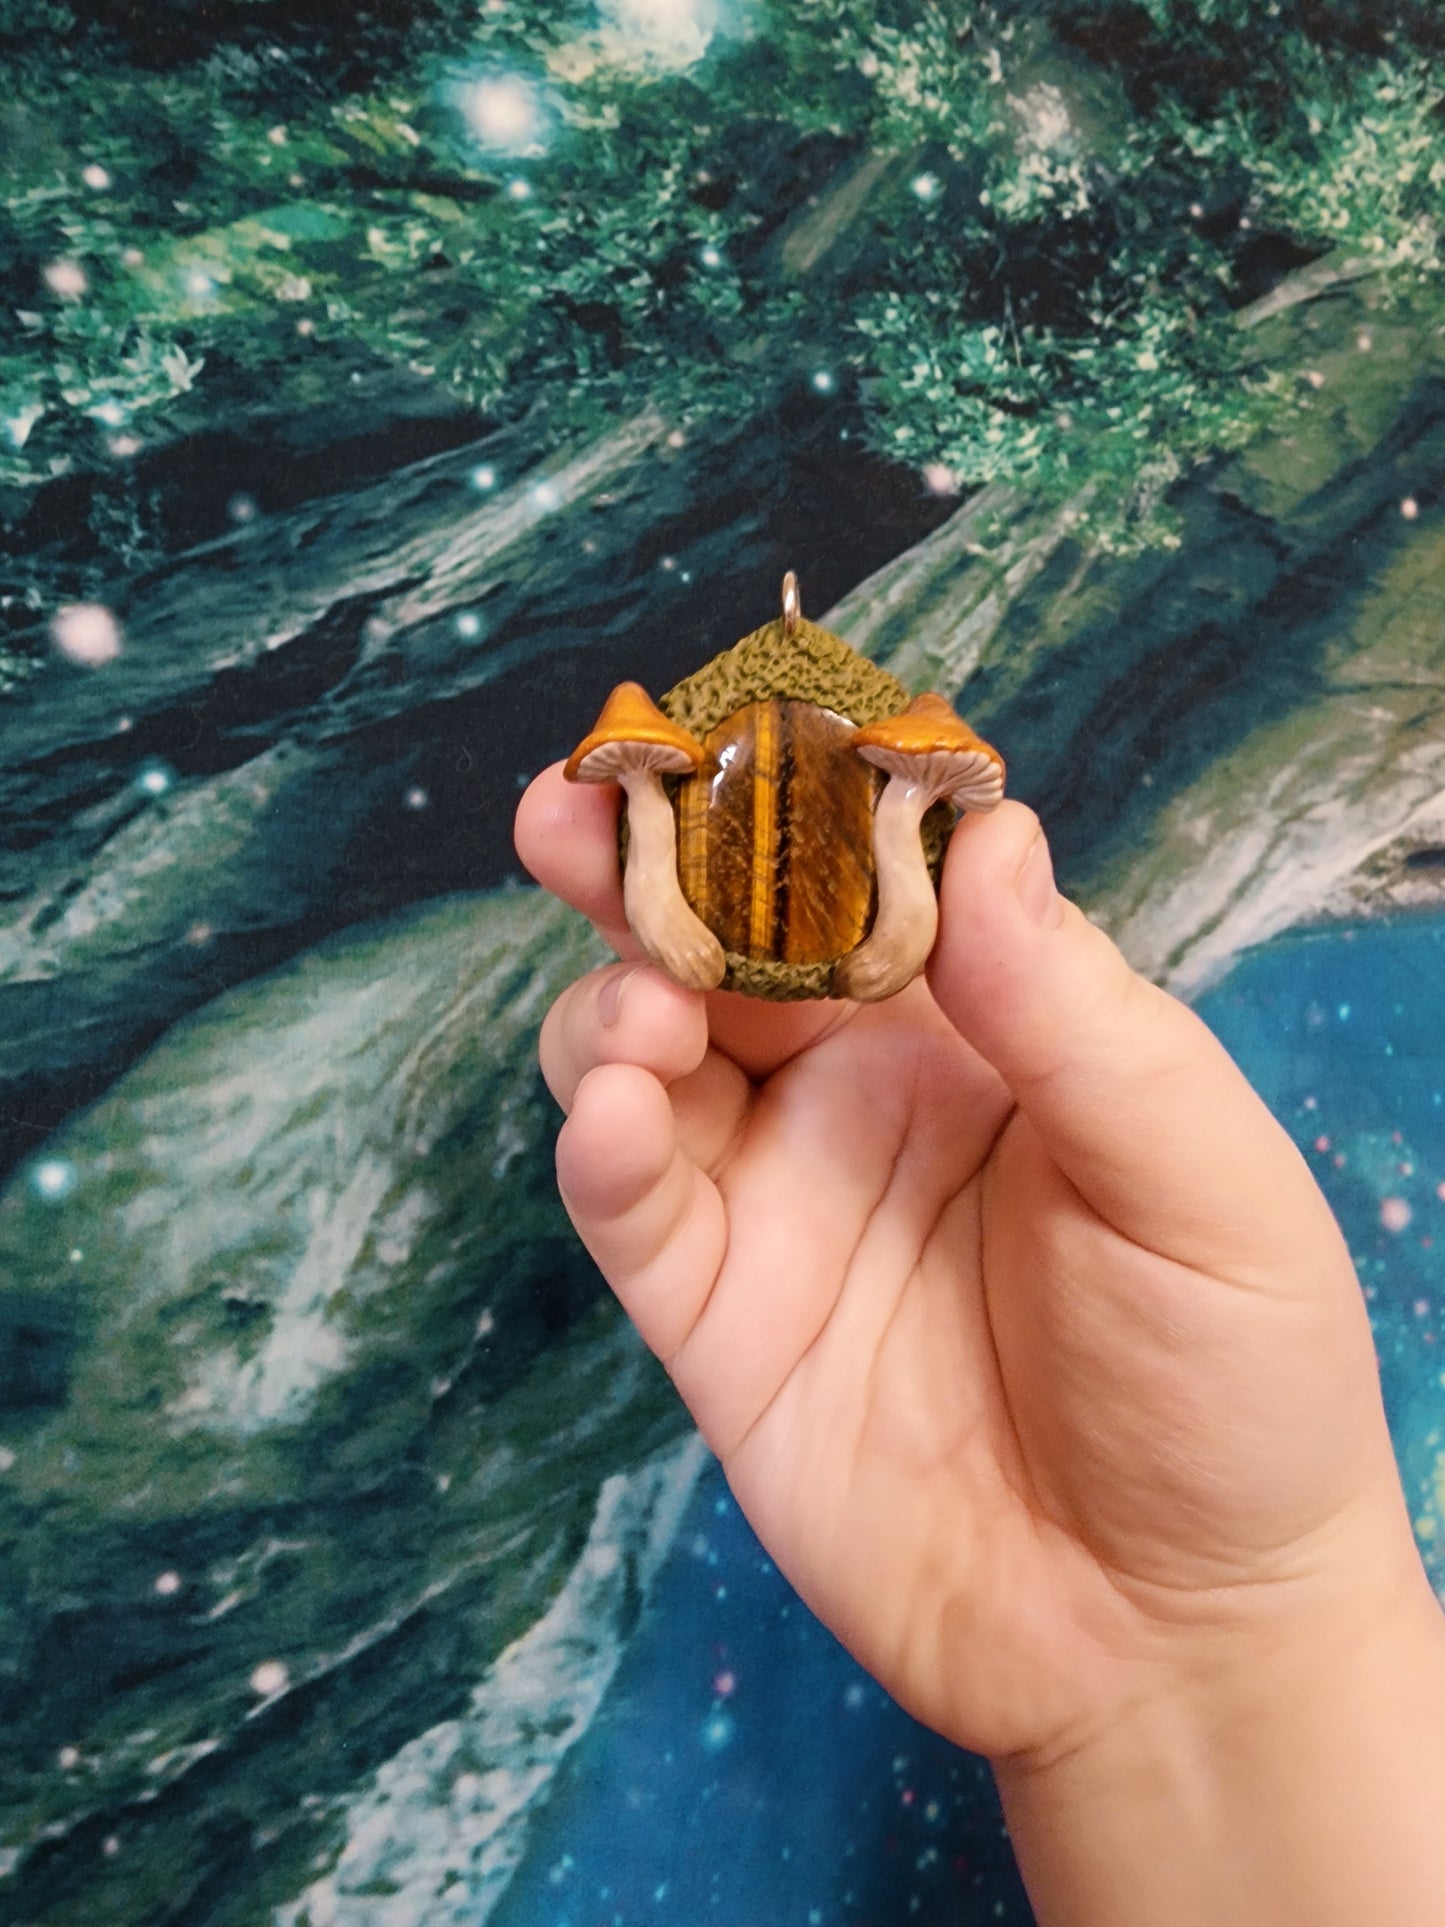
<point>633,1014</point>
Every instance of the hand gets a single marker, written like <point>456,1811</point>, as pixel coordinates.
<point>1025,1338</point>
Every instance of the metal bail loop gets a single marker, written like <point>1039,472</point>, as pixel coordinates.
<point>792,604</point>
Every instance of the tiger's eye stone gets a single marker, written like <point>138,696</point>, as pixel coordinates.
<point>775,834</point>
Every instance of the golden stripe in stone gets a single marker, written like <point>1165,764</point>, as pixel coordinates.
<point>693,799</point>
<point>780,771</point>
<point>767,747</point>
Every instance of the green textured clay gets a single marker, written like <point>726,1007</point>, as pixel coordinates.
<point>935,829</point>
<point>810,666</point>
<point>778,983</point>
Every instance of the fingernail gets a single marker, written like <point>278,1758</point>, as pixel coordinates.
<point>609,998</point>
<point>1035,886</point>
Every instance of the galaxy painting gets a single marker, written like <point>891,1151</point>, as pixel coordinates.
<point>379,385</point>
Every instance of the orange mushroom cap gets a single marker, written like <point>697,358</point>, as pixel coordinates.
<point>931,740</point>
<point>632,733</point>
<point>928,724</point>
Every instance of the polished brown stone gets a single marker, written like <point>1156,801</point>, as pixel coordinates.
<point>775,834</point>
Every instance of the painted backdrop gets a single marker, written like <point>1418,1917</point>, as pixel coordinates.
<point>378,385</point>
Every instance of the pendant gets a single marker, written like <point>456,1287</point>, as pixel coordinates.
<point>787,809</point>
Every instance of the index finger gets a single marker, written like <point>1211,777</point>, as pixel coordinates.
<point>566,835</point>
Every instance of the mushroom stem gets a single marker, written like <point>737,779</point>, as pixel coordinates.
<point>897,947</point>
<point>658,914</point>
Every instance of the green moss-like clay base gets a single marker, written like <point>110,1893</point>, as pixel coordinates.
<point>778,983</point>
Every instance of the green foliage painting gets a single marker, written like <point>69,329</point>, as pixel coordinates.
<point>1029,237</point>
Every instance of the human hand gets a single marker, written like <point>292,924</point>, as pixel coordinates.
<point>1025,1338</point>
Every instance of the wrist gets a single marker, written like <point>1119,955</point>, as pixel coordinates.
<point>1271,1780</point>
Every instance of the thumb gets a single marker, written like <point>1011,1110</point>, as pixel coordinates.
<point>1133,1097</point>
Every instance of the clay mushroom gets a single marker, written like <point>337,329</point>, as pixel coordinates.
<point>928,753</point>
<point>634,744</point>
